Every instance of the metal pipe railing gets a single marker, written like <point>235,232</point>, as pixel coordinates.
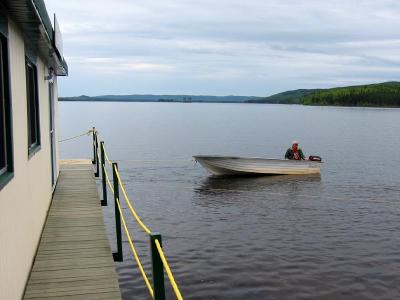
<point>117,255</point>
<point>157,268</point>
<point>158,260</point>
<point>96,143</point>
<point>94,148</point>
<point>103,174</point>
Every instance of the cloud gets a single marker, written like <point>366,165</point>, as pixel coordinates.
<point>115,65</point>
<point>254,47</point>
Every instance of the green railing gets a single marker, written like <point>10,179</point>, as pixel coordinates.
<point>158,259</point>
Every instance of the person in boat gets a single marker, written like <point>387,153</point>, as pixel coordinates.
<point>295,152</point>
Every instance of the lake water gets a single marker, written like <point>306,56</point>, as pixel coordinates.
<point>334,236</point>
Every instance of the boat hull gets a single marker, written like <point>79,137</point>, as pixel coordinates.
<point>241,166</point>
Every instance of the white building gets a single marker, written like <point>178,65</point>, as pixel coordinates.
<point>31,58</point>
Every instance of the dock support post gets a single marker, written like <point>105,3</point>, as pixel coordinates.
<point>94,147</point>
<point>118,255</point>
<point>157,268</point>
<point>97,157</point>
<point>103,175</point>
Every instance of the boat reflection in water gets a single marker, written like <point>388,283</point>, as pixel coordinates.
<point>245,189</point>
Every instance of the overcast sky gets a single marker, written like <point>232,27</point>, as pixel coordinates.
<point>224,47</point>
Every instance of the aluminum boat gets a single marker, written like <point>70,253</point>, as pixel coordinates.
<point>242,166</point>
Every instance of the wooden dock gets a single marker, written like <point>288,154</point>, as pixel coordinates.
<point>74,260</point>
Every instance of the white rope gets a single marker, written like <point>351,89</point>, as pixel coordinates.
<point>77,136</point>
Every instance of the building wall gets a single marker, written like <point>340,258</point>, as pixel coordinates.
<point>25,200</point>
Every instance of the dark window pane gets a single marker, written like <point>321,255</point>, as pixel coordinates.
<point>28,88</point>
<point>3,147</point>
<point>6,151</point>
<point>32,105</point>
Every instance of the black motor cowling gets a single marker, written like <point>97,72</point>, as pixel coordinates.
<point>315,158</point>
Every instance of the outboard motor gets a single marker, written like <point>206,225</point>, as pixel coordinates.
<point>315,158</point>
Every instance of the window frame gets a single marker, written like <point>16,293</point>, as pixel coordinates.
<point>6,147</point>
<point>32,101</point>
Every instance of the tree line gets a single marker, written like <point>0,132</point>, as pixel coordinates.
<point>375,95</point>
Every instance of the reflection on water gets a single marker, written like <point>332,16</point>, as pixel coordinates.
<point>212,184</point>
<point>279,237</point>
<point>215,189</point>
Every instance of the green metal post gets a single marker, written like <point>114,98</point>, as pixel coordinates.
<point>103,175</point>
<point>97,157</point>
<point>94,148</point>
<point>117,255</point>
<point>157,268</point>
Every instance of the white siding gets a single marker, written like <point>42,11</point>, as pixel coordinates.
<point>24,201</point>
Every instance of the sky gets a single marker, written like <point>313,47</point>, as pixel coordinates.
<point>225,47</point>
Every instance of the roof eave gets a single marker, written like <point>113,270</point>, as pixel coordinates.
<point>33,19</point>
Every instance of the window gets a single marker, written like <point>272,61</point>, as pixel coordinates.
<point>3,153</point>
<point>6,163</point>
<point>33,108</point>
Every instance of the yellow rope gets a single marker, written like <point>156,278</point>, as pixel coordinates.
<point>145,228</point>
<point>97,154</point>
<point>146,280</point>
<point>76,136</point>
<point>129,238</point>
<point>108,179</point>
<point>168,270</point>
<point>106,155</point>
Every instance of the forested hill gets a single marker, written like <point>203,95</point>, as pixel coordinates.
<point>378,95</point>
<point>288,97</point>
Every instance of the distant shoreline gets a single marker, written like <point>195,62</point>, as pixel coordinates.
<point>163,98</point>
<point>152,101</point>
<point>379,95</point>
<point>232,102</point>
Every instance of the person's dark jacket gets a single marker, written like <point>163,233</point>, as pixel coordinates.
<point>290,155</point>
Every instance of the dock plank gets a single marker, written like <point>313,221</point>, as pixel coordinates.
<point>74,259</point>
